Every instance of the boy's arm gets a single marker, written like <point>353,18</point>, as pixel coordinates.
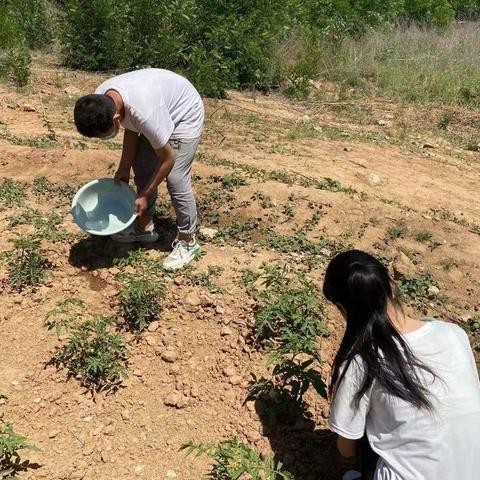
<point>130,142</point>
<point>167,160</point>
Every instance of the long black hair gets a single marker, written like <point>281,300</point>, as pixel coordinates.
<point>361,285</point>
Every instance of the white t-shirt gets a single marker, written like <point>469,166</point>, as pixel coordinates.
<point>415,444</point>
<point>159,104</point>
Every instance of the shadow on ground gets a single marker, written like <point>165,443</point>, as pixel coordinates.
<point>305,451</point>
<point>94,252</point>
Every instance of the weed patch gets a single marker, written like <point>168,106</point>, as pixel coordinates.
<point>399,230</point>
<point>419,290</point>
<point>12,193</point>
<point>280,176</point>
<point>204,279</point>
<point>45,227</point>
<point>43,187</point>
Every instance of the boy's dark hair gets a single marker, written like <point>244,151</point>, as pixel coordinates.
<point>93,114</point>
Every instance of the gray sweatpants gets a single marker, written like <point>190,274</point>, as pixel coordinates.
<point>179,180</point>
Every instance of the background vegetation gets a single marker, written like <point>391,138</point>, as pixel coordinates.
<point>413,49</point>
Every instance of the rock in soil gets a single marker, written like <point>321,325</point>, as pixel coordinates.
<point>374,179</point>
<point>170,356</point>
<point>208,233</point>
<point>153,327</point>
<point>403,266</point>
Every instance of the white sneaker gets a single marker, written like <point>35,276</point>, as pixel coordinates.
<point>136,234</point>
<point>352,475</point>
<point>182,254</point>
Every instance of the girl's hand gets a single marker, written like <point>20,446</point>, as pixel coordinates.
<point>141,205</point>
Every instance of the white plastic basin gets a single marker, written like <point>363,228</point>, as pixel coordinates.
<point>101,207</point>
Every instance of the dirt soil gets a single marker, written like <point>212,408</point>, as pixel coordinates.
<point>394,165</point>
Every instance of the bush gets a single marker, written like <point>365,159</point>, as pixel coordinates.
<point>35,18</point>
<point>14,54</point>
<point>97,34</point>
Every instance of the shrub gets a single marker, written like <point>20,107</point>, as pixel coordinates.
<point>94,352</point>
<point>97,34</point>
<point>399,230</point>
<point>14,55</point>
<point>140,301</point>
<point>35,18</point>
<point>10,445</point>
<point>233,460</point>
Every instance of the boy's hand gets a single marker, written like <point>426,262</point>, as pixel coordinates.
<point>122,176</point>
<point>141,205</point>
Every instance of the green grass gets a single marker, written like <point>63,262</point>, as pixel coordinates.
<point>413,63</point>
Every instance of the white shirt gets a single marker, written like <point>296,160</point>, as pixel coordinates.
<point>159,104</point>
<point>416,444</point>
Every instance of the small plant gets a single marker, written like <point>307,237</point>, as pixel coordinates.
<point>12,193</point>
<point>233,460</point>
<point>289,211</point>
<point>94,352</point>
<point>63,315</point>
<point>418,289</point>
<point>140,301</point>
<point>399,230</point>
<point>46,227</point>
<point>43,187</point>
<point>423,236</point>
<point>233,180</point>
<point>445,120</point>
<point>288,322</point>
<point>10,445</point>
<point>448,264</point>
<point>265,200</point>
<point>26,262</point>
<point>205,279</point>
<point>473,325</point>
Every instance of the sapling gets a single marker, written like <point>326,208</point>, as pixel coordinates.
<point>10,445</point>
<point>233,460</point>
<point>26,262</point>
<point>140,300</point>
<point>94,352</point>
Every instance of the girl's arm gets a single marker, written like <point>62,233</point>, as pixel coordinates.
<point>346,447</point>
